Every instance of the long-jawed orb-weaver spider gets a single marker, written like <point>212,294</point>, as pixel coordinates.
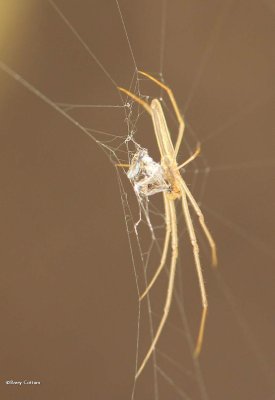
<point>149,177</point>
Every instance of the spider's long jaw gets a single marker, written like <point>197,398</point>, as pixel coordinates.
<point>173,176</point>
<point>174,192</point>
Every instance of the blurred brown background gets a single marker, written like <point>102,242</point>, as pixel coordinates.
<point>68,294</point>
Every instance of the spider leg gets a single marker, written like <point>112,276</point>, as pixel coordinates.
<point>165,247</point>
<point>123,165</point>
<point>165,145</point>
<point>191,158</point>
<point>171,281</point>
<point>137,99</point>
<point>206,231</point>
<point>175,106</point>
<point>194,243</point>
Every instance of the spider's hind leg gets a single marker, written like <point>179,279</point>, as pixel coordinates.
<point>195,246</point>
<point>171,280</point>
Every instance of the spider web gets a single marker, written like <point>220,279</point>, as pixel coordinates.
<point>172,372</point>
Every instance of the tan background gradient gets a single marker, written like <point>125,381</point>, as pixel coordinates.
<point>68,297</point>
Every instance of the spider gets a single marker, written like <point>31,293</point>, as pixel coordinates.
<point>148,178</point>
